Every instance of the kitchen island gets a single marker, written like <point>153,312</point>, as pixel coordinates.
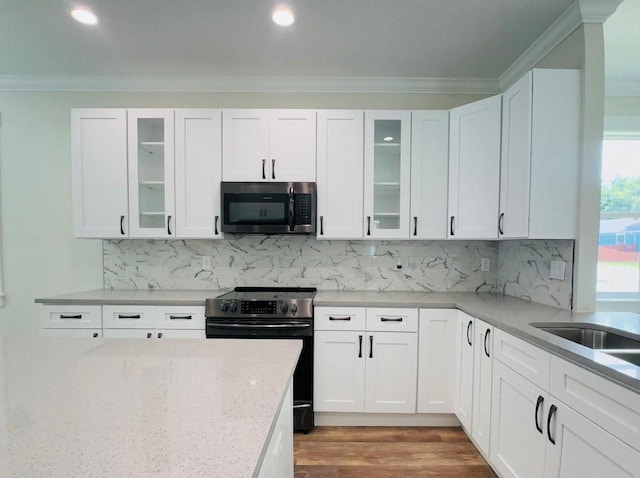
<point>139,408</point>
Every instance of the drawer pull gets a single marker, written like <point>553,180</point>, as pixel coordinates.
<point>387,319</point>
<point>123,316</point>
<point>79,316</point>
<point>340,318</point>
<point>180,317</point>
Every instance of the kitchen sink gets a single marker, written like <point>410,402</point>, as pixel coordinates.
<point>593,336</point>
<point>631,356</point>
<point>598,337</point>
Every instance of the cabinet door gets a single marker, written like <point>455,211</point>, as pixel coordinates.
<point>391,372</point>
<point>584,450</point>
<point>474,170</point>
<point>151,173</point>
<point>292,145</point>
<point>70,333</point>
<point>198,173</point>
<point>429,169</point>
<point>387,174</point>
<point>179,334</point>
<point>518,414</point>
<point>340,174</point>
<point>338,371</point>
<point>99,173</point>
<point>464,366</point>
<point>128,333</point>
<point>482,368</point>
<point>515,164</point>
<point>555,153</point>
<point>436,360</point>
<point>245,145</point>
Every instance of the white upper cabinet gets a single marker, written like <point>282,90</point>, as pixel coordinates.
<point>269,145</point>
<point>429,169</point>
<point>99,173</point>
<point>387,174</point>
<point>198,172</point>
<point>555,154</point>
<point>340,174</point>
<point>474,170</point>
<point>151,173</point>
<point>515,165</point>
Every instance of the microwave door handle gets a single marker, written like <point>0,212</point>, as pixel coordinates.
<point>291,210</point>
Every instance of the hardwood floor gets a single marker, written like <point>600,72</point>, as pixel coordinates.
<point>387,452</point>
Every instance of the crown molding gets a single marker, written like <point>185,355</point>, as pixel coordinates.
<point>249,84</point>
<point>578,13</point>
<point>597,11</point>
<point>622,87</point>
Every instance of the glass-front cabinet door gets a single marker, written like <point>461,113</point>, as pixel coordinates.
<point>151,173</point>
<point>387,174</point>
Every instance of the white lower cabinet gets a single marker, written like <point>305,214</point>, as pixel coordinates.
<point>535,434</point>
<point>122,321</point>
<point>482,370</point>
<point>278,458</point>
<point>463,402</point>
<point>436,360</point>
<point>373,369</point>
<point>578,448</point>
<point>518,411</point>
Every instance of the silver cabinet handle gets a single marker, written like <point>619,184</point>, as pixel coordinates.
<point>78,316</point>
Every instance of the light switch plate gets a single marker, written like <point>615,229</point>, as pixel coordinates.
<point>557,270</point>
<point>485,264</point>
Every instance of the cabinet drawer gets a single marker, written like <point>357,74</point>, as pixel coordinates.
<point>528,360</point>
<point>71,317</point>
<point>392,320</point>
<point>339,318</point>
<point>191,318</point>
<point>608,405</point>
<point>129,317</point>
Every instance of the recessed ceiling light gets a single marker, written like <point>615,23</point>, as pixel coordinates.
<point>283,16</point>
<point>84,15</point>
<point>388,138</point>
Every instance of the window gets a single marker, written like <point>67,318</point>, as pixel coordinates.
<point>619,239</point>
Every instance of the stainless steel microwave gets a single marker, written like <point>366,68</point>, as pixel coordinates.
<point>268,207</point>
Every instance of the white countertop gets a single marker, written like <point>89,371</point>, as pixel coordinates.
<point>139,408</point>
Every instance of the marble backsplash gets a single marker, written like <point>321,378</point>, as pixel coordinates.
<point>518,268</point>
<point>523,271</point>
<point>299,261</point>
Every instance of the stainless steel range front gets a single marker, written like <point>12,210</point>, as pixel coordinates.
<point>271,313</point>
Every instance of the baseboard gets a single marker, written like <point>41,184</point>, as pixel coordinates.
<point>386,419</point>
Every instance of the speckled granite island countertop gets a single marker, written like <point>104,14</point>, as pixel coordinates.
<point>139,408</point>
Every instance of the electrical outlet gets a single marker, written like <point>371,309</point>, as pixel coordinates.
<point>206,263</point>
<point>485,264</point>
<point>556,271</point>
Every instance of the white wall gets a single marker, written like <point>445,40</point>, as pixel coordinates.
<point>41,258</point>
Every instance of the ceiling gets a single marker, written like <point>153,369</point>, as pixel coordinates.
<point>331,38</point>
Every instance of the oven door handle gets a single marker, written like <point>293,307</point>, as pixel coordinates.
<point>296,325</point>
